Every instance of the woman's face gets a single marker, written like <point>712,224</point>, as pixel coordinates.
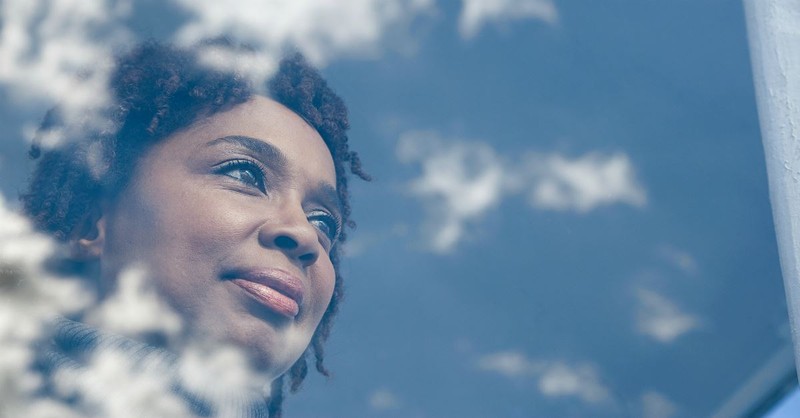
<point>234,218</point>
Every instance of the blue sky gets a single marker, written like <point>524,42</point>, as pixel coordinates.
<point>569,217</point>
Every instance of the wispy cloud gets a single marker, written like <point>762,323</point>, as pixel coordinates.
<point>659,318</point>
<point>554,378</point>
<point>461,181</point>
<point>60,51</point>
<point>57,51</point>
<point>364,241</point>
<point>679,259</point>
<point>656,405</point>
<point>509,364</point>
<point>31,296</point>
<point>383,399</point>
<point>138,392</point>
<point>585,183</point>
<point>475,14</point>
<point>581,381</point>
<point>321,29</point>
<point>135,308</point>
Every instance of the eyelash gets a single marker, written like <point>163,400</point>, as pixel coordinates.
<point>244,165</point>
<point>334,225</point>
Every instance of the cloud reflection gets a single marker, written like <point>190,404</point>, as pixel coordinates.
<point>661,319</point>
<point>121,377</point>
<point>462,180</point>
<point>475,14</point>
<point>555,378</point>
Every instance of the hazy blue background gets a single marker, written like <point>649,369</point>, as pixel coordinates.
<point>569,215</point>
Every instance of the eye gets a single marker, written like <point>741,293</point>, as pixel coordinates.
<point>329,225</point>
<point>246,172</point>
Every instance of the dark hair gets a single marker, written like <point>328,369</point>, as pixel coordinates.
<point>157,90</point>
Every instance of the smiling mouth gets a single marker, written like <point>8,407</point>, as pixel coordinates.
<point>275,289</point>
<point>269,297</point>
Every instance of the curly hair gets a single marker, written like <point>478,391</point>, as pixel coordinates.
<point>157,90</point>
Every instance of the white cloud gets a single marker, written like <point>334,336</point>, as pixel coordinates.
<point>57,51</point>
<point>60,51</point>
<point>221,374</point>
<point>477,13</point>
<point>554,378</point>
<point>659,318</point>
<point>135,308</point>
<point>509,364</point>
<point>461,181</point>
<point>321,29</point>
<point>30,297</point>
<point>679,258</point>
<point>383,399</point>
<point>656,405</point>
<point>585,183</point>
<point>145,392</point>
<point>581,381</point>
<point>364,241</point>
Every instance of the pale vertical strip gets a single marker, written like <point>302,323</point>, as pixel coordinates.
<point>773,28</point>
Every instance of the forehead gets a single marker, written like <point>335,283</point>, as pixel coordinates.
<point>266,120</point>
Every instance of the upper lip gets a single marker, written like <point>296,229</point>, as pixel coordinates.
<point>280,280</point>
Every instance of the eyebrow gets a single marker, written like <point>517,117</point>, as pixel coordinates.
<point>264,151</point>
<point>329,197</point>
<point>277,161</point>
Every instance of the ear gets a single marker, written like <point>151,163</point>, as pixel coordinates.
<point>90,234</point>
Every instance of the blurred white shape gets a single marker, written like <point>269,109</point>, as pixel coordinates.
<point>27,287</point>
<point>223,375</point>
<point>509,364</point>
<point>679,258</point>
<point>659,318</point>
<point>477,13</point>
<point>113,386</point>
<point>555,378</point>
<point>57,52</point>
<point>585,183</point>
<point>257,65</point>
<point>581,381</point>
<point>462,180</point>
<point>364,241</point>
<point>135,308</point>
<point>656,405</point>
<point>321,29</point>
<point>29,297</point>
<point>48,408</point>
<point>383,399</point>
<point>111,383</point>
<point>19,244</point>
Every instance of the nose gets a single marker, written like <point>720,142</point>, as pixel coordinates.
<point>291,233</point>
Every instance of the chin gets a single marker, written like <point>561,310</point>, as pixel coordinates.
<point>269,350</point>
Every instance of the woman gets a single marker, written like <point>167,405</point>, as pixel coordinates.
<point>232,202</point>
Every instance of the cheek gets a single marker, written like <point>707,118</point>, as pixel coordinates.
<point>179,235</point>
<point>324,285</point>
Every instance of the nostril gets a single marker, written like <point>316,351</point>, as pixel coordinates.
<point>285,242</point>
<point>309,258</point>
<point>295,247</point>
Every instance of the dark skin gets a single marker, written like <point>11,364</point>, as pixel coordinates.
<point>159,90</point>
<point>250,189</point>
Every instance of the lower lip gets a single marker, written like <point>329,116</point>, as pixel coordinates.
<point>269,297</point>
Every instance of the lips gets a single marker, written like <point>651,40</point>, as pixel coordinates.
<point>276,289</point>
